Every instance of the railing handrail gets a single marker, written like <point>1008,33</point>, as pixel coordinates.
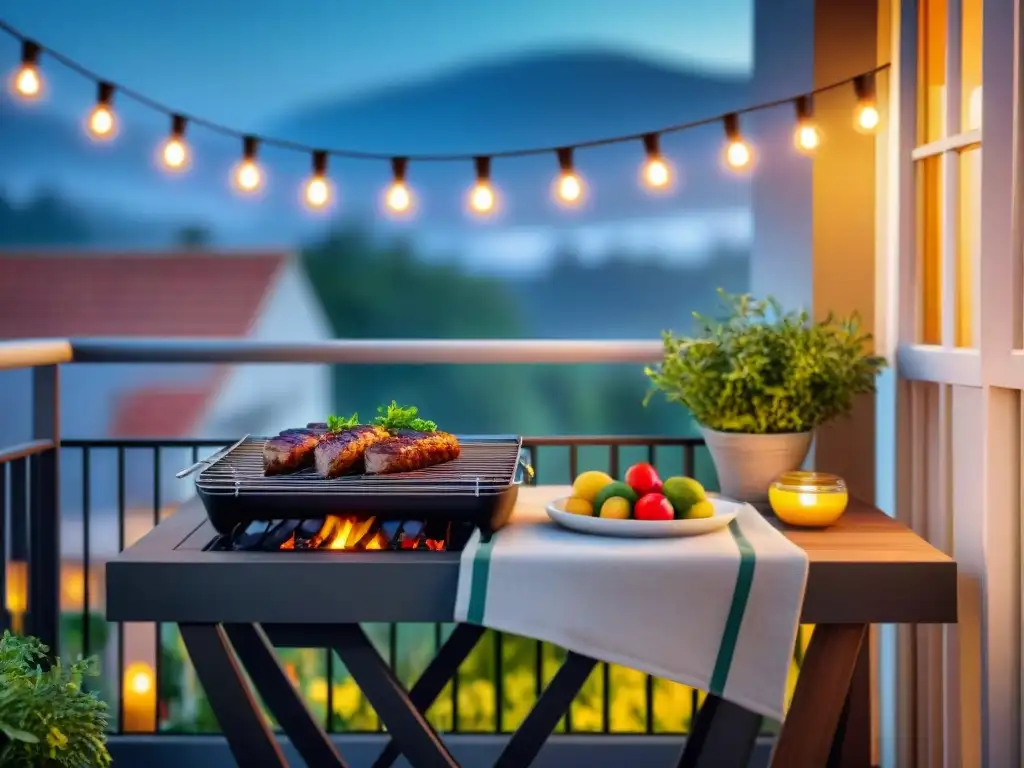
<point>29,353</point>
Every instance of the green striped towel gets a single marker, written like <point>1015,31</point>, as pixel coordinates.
<point>718,612</point>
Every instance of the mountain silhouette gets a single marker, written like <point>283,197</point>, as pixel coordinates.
<point>540,99</point>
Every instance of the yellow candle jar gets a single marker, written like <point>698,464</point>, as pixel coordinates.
<point>808,499</point>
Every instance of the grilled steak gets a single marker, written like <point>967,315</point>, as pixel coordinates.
<point>409,452</point>
<point>338,453</point>
<point>290,451</point>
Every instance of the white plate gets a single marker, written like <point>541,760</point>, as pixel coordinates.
<point>725,511</point>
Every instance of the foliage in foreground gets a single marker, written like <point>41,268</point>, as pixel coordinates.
<point>760,369</point>
<point>46,718</point>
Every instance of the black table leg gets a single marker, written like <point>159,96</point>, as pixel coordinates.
<point>528,740</point>
<point>415,737</point>
<point>723,735</point>
<point>248,735</point>
<point>259,660</point>
<point>444,666</point>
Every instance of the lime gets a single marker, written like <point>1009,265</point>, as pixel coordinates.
<point>588,484</point>
<point>701,509</point>
<point>683,493</point>
<point>614,490</point>
<point>617,508</point>
<point>578,506</point>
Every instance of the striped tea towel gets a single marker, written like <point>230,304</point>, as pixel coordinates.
<point>717,612</point>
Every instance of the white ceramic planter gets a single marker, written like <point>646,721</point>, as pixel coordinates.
<point>747,464</point>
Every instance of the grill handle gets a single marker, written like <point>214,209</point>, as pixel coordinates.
<point>524,472</point>
<point>209,460</point>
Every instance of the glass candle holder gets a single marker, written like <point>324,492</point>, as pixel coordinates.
<point>808,499</point>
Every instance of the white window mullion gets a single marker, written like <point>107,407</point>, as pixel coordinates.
<point>950,176</point>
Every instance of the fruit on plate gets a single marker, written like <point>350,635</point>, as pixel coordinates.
<point>616,508</point>
<point>683,493</point>
<point>614,490</point>
<point>643,478</point>
<point>701,509</point>
<point>578,506</point>
<point>588,484</point>
<point>653,506</point>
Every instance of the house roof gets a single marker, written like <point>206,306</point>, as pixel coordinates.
<point>189,294</point>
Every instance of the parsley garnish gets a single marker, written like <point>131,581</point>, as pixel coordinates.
<point>394,417</point>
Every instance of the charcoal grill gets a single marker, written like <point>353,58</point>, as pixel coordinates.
<point>479,488</point>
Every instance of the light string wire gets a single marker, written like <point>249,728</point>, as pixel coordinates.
<point>294,146</point>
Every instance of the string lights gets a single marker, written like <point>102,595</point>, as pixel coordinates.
<point>175,151</point>
<point>102,123</point>
<point>28,83</point>
<point>656,172</point>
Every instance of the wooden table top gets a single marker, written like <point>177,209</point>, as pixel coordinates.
<point>866,565</point>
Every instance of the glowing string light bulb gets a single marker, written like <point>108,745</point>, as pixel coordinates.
<point>102,123</point>
<point>247,175</point>
<point>568,185</point>
<point>398,197</point>
<point>656,173</point>
<point>865,116</point>
<point>27,82</point>
<point>318,188</point>
<point>174,155</point>
<point>806,137</point>
<point>739,155</point>
<point>482,198</point>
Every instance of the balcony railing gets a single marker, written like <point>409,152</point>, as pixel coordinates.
<point>62,601</point>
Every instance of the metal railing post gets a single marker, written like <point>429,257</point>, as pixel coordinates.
<point>44,525</point>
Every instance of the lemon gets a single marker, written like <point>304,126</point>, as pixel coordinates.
<point>683,493</point>
<point>589,484</point>
<point>701,509</point>
<point>617,508</point>
<point>578,506</point>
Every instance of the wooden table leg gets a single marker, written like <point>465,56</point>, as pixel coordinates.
<point>820,696</point>
<point>851,747</point>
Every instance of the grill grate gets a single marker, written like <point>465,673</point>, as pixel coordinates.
<point>486,466</point>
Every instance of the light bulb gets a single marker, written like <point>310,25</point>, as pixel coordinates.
<point>248,176</point>
<point>318,192</point>
<point>175,154</point>
<point>27,82</point>
<point>398,199</point>
<point>570,188</point>
<point>481,198</point>
<point>656,173</point>
<point>738,154</point>
<point>866,117</point>
<point>102,122</point>
<point>806,138</point>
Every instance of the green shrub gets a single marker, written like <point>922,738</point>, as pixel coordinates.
<point>761,370</point>
<point>46,718</point>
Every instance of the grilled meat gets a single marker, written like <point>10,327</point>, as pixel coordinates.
<point>318,426</point>
<point>290,451</point>
<point>338,453</point>
<point>409,452</point>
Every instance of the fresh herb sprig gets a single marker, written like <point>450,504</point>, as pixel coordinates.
<point>395,417</point>
<point>339,424</point>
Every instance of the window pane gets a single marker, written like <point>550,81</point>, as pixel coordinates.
<point>929,250</point>
<point>931,76</point>
<point>970,64</point>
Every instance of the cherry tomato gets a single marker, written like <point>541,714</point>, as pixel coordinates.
<point>643,478</point>
<point>653,506</point>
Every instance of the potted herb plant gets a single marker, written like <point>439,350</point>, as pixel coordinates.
<point>759,381</point>
<point>46,718</point>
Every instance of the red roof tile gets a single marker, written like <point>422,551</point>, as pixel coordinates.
<point>163,410</point>
<point>159,294</point>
